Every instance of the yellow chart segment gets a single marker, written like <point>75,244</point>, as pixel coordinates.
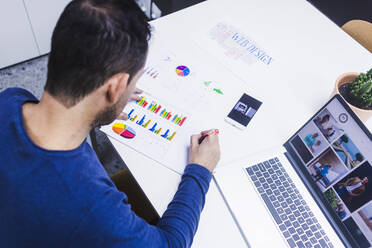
<point>118,128</point>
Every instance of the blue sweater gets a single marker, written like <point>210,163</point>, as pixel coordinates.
<point>66,199</point>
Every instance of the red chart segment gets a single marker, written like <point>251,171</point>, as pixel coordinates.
<point>124,130</point>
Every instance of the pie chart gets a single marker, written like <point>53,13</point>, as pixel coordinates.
<point>182,71</point>
<point>124,130</point>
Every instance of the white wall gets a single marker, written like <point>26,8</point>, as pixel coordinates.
<point>44,15</point>
<point>17,42</point>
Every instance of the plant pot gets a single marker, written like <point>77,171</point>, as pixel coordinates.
<point>363,114</point>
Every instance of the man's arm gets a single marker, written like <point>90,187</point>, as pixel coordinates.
<point>111,222</point>
<point>180,221</point>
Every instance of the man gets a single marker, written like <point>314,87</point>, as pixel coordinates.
<point>340,209</point>
<point>54,192</point>
<point>351,188</point>
<point>312,142</point>
<point>321,171</point>
<point>327,126</point>
<point>324,126</point>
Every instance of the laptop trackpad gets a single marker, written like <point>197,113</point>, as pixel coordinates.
<point>255,221</point>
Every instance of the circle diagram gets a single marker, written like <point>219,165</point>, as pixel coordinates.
<point>343,118</point>
<point>182,71</point>
<point>124,130</point>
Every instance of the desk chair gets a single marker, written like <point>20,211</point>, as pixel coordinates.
<point>126,183</point>
<point>361,31</point>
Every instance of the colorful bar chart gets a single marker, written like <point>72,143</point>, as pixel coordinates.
<point>158,118</point>
<point>151,72</point>
<point>153,127</point>
<point>145,123</point>
<point>130,113</point>
<point>179,120</point>
<point>142,102</point>
<point>156,108</point>
<point>172,136</point>
<point>140,122</point>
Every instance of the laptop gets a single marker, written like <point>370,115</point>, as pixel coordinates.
<point>315,191</point>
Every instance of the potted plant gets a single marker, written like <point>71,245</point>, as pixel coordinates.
<point>356,89</point>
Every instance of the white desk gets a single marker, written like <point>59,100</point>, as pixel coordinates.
<point>311,52</point>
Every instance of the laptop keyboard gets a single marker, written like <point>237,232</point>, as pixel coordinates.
<point>292,215</point>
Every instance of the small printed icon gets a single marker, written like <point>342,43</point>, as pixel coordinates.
<point>207,83</point>
<point>343,118</point>
<point>218,91</point>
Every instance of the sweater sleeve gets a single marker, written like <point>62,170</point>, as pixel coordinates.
<point>181,218</point>
<point>111,222</point>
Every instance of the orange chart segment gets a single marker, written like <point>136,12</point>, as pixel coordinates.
<point>118,128</point>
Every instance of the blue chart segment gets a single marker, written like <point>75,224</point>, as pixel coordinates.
<point>182,71</point>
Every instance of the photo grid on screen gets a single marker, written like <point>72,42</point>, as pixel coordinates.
<point>337,155</point>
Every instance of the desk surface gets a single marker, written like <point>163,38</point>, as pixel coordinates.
<point>311,51</point>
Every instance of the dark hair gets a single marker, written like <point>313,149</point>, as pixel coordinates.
<point>92,41</point>
<point>327,116</point>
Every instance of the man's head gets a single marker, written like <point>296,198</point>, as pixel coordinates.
<point>318,143</point>
<point>315,135</point>
<point>96,44</point>
<point>325,119</point>
<point>365,180</point>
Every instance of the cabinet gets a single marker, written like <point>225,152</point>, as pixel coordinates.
<point>43,17</point>
<point>17,42</point>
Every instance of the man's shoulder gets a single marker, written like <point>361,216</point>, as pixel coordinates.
<point>82,171</point>
<point>16,93</point>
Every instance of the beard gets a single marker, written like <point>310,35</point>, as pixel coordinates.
<point>107,115</point>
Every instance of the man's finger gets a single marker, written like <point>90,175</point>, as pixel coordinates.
<point>204,132</point>
<point>135,97</point>
<point>194,140</point>
<point>212,139</point>
<point>207,131</point>
<point>123,116</point>
<point>138,91</point>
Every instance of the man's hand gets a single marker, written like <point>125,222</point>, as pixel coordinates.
<point>206,154</point>
<point>134,97</point>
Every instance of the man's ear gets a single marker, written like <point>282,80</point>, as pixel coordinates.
<point>116,85</point>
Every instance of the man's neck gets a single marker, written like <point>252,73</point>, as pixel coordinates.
<point>52,126</point>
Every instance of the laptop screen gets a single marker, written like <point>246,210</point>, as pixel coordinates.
<point>334,150</point>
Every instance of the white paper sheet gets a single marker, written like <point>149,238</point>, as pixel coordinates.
<point>205,94</point>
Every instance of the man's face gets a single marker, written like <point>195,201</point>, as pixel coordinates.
<point>325,119</point>
<point>109,114</point>
<point>365,180</point>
